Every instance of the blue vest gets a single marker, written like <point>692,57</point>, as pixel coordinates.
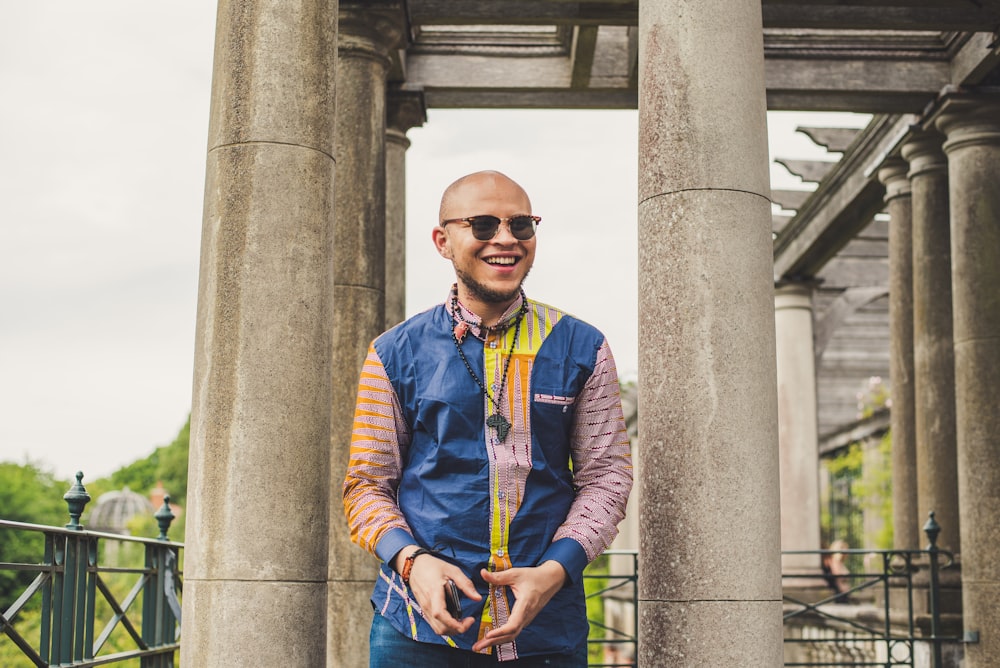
<point>445,492</point>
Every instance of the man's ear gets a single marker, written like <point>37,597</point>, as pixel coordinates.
<point>440,238</point>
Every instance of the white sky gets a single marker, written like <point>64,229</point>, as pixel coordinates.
<point>103,131</point>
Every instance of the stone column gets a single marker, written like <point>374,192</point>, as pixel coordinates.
<point>933,354</point>
<point>798,443</point>
<point>973,147</point>
<point>710,586</point>
<point>256,559</point>
<point>405,110</point>
<point>368,30</point>
<point>905,516</point>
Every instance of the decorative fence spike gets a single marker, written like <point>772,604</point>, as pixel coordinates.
<point>77,499</point>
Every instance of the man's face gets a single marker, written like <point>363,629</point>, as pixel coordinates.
<point>489,272</point>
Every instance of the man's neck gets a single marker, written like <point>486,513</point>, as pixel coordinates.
<point>489,312</point>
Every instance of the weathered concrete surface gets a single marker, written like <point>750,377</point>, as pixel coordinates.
<point>261,623</point>
<point>972,125</point>
<point>797,435</point>
<point>405,110</point>
<point>933,353</point>
<point>368,30</point>
<point>707,379</point>
<point>260,417</point>
<point>683,643</point>
<point>906,528</point>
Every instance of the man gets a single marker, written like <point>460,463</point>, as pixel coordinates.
<point>489,450</point>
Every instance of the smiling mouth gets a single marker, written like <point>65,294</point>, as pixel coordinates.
<point>502,261</point>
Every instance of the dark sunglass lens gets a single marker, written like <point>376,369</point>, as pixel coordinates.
<point>522,227</point>
<point>484,228</point>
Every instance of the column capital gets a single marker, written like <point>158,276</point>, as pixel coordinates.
<point>794,295</point>
<point>969,117</point>
<point>371,29</point>
<point>893,175</point>
<point>923,151</point>
<point>405,109</point>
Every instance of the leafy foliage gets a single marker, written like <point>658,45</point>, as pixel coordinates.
<point>33,495</point>
<point>860,483</point>
<point>167,464</point>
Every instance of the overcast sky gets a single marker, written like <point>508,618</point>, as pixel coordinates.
<point>103,126</point>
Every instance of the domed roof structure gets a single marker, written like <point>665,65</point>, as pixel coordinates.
<point>114,510</point>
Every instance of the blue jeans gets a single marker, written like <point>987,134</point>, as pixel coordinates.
<point>391,649</point>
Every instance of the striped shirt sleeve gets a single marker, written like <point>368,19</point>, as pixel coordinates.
<point>602,461</point>
<point>378,443</point>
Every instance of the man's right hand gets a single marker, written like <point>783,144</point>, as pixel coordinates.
<point>428,576</point>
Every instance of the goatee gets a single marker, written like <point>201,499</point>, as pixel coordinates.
<point>486,294</point>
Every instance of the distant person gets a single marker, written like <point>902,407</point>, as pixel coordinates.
<point>489,450</point>
<point>835,571</point>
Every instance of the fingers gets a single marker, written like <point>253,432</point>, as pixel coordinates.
<point>506,633</point>
<point>464,584</point>
<point>427,582</point>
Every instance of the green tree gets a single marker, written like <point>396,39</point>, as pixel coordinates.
<point>167,464</point>
<point>33,495</point>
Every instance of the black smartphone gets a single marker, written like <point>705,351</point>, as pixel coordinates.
<point>451,599</point>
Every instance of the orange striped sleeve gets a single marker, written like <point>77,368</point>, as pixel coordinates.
<point>378,442</point>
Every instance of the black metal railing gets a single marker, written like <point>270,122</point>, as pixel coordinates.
<point>612,582</point>
<point>85,578</point>
<point>883,631</point>
<point>80,583</point>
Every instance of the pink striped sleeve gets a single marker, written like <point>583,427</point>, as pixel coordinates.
<point>378,443</point>
<point>602,461</point>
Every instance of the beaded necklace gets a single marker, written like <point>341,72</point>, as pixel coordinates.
<point>496,421</point>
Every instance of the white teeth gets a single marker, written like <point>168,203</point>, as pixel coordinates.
<point>501,260</point>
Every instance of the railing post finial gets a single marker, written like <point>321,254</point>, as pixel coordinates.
<point>164,517</point>
<point>932,529</point>
<point>77,499</point>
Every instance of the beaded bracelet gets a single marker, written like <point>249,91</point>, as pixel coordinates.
<point>408,563</point>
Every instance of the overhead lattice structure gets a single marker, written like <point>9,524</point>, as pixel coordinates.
<point>890,58</point>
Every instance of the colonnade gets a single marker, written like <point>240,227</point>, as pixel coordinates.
<point>945,261</point>
<point>943,200</point>
<point>305,175</point>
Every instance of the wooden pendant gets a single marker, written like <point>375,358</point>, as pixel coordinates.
<point>500,423</point>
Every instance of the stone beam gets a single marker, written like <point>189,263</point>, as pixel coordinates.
<point>542,98</point>
<point>843,204</point>
<point>790,199</point>
<point>978,58</point>
<point>832,139</point>
<point>888,84</point>
<point>470,12</point>
<point>584,47</point>
<point>812,171</point>
<point>937,15</point>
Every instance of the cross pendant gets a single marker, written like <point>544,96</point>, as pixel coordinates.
<point>500,423</point>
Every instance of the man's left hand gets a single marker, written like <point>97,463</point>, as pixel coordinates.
<point>533,588</point>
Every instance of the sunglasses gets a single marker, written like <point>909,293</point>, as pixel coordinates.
<point>485,227</point>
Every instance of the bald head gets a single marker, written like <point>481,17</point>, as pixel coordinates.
<point>488,184</point>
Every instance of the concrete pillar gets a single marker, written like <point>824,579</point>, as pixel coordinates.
<point>405,110</point>
<point>905,523</point>
<point>261,407</point>
<point>798,443</point>
<point>368,31</point>
<point>710,586</point>
<point>933,354</point>
<point>973,147</point>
